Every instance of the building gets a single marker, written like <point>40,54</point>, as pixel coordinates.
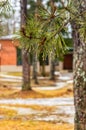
<point>10,58</point>
<point>8,54</point>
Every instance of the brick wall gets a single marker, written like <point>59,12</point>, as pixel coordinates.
<point>8,53</point>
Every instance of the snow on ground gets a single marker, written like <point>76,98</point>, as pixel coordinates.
<point>65,106</point>
<point>64,110</point>
<point>39,101</point>
<point>63,80</point>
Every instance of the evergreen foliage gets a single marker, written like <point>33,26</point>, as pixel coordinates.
<point>44,33</point>
<point>31,7</point>
<point>5,8</point>
<point>45,30</point>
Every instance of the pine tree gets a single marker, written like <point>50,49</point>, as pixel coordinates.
<point>79,35</point>
<point>25,53</point>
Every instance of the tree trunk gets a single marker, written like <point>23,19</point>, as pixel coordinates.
<point>35,68</point>
<point>43,73</point>
<point>25,55</point>
<point>52,70</point>
<point>52,64</point>
<point>26,71</point>
<point>79,80</point>
<point>38,3</point>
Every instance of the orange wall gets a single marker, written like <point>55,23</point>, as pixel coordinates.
<point>8,53</point>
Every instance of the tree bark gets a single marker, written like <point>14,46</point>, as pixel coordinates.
<point>25,55</point>
<point>79,80</point>
<point>26,71</point>
<point>43,73</point>
<point>52,70</point>
<point>35,68</point>
<point>38,3</point>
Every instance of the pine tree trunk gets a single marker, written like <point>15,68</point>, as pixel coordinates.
<point>79,80</point>
<point>25,55</point>
<point>52,64</point>
<point>52,70</point>
<point>38,3</point>
<point>26,71</point>
<point>43,69</point>
<point>35,68</point>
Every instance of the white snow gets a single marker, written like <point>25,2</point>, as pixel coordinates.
<point>64,107</point>
<point>39,101</point>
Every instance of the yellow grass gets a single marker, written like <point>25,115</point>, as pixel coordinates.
<point>66,90</point>
<point>6,91</point>
<point>33,125</point>
<point>9,92</point>
<point>36,93</point>
<point>14,73</point>
<point>35,107</point>
<point>7,112</point>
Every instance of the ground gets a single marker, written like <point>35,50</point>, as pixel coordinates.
<point>9,89</point>
<point>13,121</point>
<point>32,125</point>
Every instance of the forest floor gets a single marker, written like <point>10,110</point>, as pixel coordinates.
<point>39,109</point>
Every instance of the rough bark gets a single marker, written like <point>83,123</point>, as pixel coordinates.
<point>26,71</point>
<point>79,80</point>
<point>43,73</point>
<point>25,55</point>
<point>52,70</point>
<point>35,68</point>
<point>52,64</point>
<point>38,3</point>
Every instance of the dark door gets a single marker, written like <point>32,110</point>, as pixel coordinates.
<point>68,62</point>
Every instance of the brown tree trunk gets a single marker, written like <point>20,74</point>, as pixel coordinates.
<point>26,70</point>
<point>43,73</point>
<point>52,64</point>
<point>79,80</point>
<point>35,74</point>
<point>25,55</point>
<point>52,70</point>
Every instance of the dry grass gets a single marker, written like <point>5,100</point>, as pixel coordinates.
<point>33,125</point>
<point>14,73</point>
<point>15,122</point>
<point>65,91</point>
<point>43,82</point>
<point>7,112</point>
<point>6,91</point>
<point>9,92</point>
<point>35,107</point>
